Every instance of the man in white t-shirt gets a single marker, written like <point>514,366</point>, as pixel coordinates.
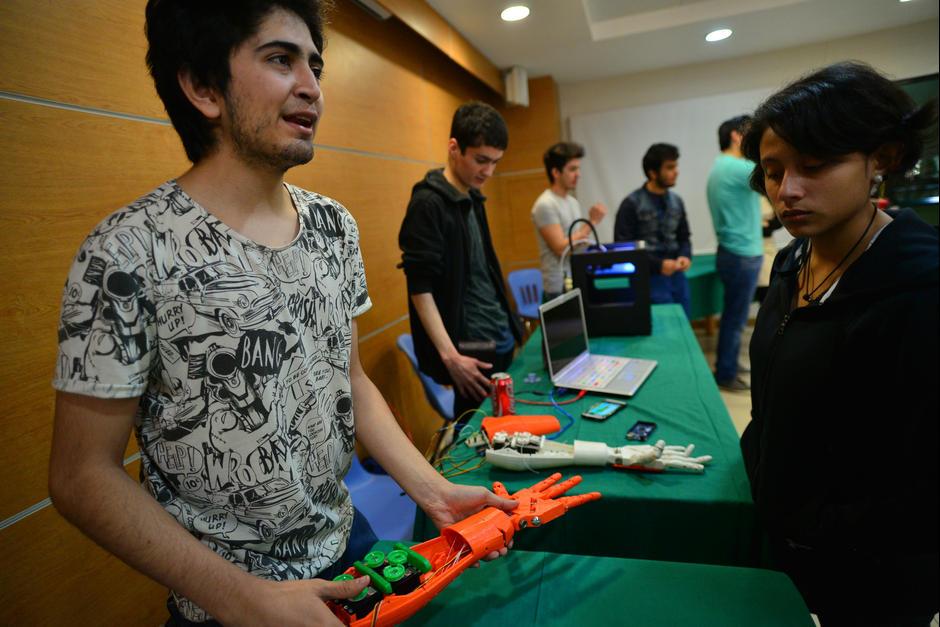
<point>556,209</point>
<point>216,317</point>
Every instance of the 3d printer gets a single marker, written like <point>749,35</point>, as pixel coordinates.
<point>615,284</point>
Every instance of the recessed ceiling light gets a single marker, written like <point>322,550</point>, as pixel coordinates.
<point>515,13</point>
<point>718,35</point>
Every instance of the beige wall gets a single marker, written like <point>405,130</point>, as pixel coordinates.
<point>82,133</point>
<point>902,52</point>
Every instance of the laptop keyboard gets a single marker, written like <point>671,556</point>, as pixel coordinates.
<point>595,372</point>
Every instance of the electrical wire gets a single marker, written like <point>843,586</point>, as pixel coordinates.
<point>548,403</point>
<point>455,462</point>
<point>565,269</point>
<point>569,249</point>
<point>447,563</point>
<point>562,410</point>
<point>597,240</point>
<point>465,470</point>
<point>431,450</point>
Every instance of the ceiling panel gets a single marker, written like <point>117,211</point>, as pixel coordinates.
<point>557,39</point>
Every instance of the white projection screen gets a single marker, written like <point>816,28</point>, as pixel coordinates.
<point>616,140</point>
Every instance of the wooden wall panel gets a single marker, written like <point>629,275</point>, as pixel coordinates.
<point>372,85</point>
<point>372,81</point>
<point>425,21</point>
<point>84,52</point>
<point>521,175</point>
<point>515,242</point>
<point>61,172</point>
<point>534,128</point>
<point>447,90</point>
<point>390,96</point>
<point>51,574</point>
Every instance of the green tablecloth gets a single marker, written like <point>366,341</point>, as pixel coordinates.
<point>527,588</point>
<point>706,518</point>
<point>705,288</point>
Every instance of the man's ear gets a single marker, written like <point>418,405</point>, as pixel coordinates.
<point>205,99</point>
<point>453,147</point>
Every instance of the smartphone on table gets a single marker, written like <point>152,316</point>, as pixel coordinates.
<point>602,410</point>
<point>641,431</point>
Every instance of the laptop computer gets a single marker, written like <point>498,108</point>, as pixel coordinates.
<point>569,360</point>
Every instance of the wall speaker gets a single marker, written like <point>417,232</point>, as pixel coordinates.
<point>516,81</point>
<point>374,9</point>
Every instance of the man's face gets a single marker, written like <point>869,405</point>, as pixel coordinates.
<point>569,175</point>
<point>273,102</point>
<point>668,173</point>
<point>474,165</point>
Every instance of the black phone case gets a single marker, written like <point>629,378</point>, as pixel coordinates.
<point>641,431</point>
<point>484,351</point>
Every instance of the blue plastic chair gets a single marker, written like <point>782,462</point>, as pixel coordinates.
<point>526,286</point>
<point>441,398</point>
<point>390,513</point>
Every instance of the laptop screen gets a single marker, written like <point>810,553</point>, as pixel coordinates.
<point>563,328</point>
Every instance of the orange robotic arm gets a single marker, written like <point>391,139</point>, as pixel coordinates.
<point>407,578</point>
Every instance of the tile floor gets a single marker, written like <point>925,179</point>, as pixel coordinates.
<point>739,403</point>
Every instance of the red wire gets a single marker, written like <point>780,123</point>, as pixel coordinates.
<point>568,402</point>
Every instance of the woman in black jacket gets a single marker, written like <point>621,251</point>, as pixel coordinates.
<point>842,448</point>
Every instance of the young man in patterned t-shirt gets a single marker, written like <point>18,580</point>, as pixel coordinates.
<point>216,315</point>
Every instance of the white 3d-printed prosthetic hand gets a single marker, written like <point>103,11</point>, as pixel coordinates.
<point>524,451</point>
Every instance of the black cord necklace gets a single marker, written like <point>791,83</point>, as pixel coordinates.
<point>806,281</point>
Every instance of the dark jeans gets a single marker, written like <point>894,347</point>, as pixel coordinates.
<point>739,276</point>
<point>671,289</point>
<point>463,404</point>
<point>361,540</point>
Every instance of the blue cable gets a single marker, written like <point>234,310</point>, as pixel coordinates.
<point>551,396</point>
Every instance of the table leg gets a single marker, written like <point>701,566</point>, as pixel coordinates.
<point>709,325</point>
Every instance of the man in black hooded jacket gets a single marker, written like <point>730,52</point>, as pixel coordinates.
<point>461,322</point>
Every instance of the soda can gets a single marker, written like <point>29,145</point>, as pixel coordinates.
<point>504,402</point>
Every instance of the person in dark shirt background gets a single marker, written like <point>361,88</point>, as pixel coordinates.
<point>657,216</point>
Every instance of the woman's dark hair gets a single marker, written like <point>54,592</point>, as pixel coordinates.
<point>199,37</point>
<point>844,108</point>
<point>558,156</point>
<point>656,155</point>
<point>478,124</point>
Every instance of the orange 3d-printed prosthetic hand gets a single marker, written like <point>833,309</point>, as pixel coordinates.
<point>406,579</point>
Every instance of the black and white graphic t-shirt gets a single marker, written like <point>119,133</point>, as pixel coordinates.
<point>240,353</point>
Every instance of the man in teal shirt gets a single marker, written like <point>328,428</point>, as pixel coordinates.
<point>735,210</point>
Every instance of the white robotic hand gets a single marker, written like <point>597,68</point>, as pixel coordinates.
<point>670,458</point>
<point>524,451</point>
